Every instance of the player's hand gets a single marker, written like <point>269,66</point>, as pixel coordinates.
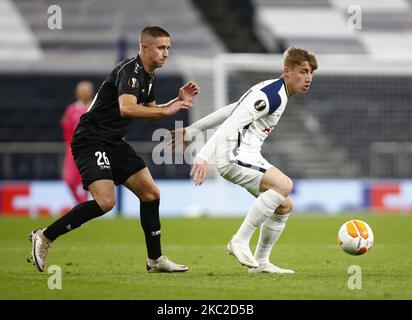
<point>176,106</point>
<point>189,91</point>
<point>180,140</point>
<point>198,172</point>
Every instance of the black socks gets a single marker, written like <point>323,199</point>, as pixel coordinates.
<point>83,212</point>
<point>150,221</point>
<point>73,219</point>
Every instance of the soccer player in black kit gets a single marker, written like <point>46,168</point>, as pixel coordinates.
<point>105,159</point>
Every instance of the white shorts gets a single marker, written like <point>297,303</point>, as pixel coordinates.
<point>244,172</point>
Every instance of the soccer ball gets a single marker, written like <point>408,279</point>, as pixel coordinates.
<point>355,237</point>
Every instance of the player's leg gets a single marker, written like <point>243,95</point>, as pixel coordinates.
<point>261,209</point>
<point>248,175</point>
<point>103,201</point>
<point>143,186</point>
<point>99,182</point>
<point>254,176</point>
<point>271,229</point>
<point>98,179</point>
<point>130,170</point>
<point>103,194</point>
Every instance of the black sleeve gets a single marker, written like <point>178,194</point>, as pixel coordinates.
<point>127,82</point>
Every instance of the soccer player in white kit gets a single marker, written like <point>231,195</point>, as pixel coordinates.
<point>236,146</point>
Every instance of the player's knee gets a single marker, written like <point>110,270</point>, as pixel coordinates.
<point>284,187</point>
<point>290,207</point>
<point>106,203</point>
<point>151,194</point>
<point>290,184</point>
<point>285,208</point>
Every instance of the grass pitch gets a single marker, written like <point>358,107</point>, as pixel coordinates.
<point>105,259</point>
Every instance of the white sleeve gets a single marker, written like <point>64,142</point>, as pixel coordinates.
<point>256,103</point>
<point>210,121</point>
<point>247,110</point>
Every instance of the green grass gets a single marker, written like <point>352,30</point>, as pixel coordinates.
<point>105,259</point>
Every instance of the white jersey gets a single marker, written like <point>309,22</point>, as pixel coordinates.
<point>254,116</point>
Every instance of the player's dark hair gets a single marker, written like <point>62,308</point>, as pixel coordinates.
<point>296,56</point>
<point>153,32</point>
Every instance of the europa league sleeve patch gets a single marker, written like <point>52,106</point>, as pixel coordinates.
<point>133,83</point>
<point>260,105</point>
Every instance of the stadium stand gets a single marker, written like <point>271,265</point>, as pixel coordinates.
<point>17,40</point>
<point>233,21</point>
<point>322,25</point>
<point>91,31</point>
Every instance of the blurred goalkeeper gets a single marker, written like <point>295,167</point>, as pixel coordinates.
<point>104,158</point>
<point>84,94</point>
<point>235,147</point>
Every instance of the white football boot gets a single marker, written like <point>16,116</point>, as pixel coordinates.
<point>39,249</point>
<point>163,264</point>
<point>269,268</point>
<point>241,251</point>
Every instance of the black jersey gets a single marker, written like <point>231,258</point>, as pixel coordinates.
<point>103,118</point>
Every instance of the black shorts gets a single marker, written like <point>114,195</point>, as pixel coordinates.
<point>100,159</point>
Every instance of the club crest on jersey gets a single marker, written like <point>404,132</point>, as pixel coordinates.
<point>260,105</point>
<point>133,83</point>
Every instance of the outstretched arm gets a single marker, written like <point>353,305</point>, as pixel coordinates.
<point>211,120</point>
<point>186,93</point>
<point>183,136</point>
<point>130,109</point>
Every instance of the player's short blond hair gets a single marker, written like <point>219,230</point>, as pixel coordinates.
<point>296,56</point>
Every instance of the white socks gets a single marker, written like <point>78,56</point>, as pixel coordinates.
<point>270,232</point>
<point>263,208</point>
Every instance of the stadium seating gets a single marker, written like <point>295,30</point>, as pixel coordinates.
<point>232,21</point>
<point>356,121</point>
<point>324,26</point>
<point>91,31</point>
